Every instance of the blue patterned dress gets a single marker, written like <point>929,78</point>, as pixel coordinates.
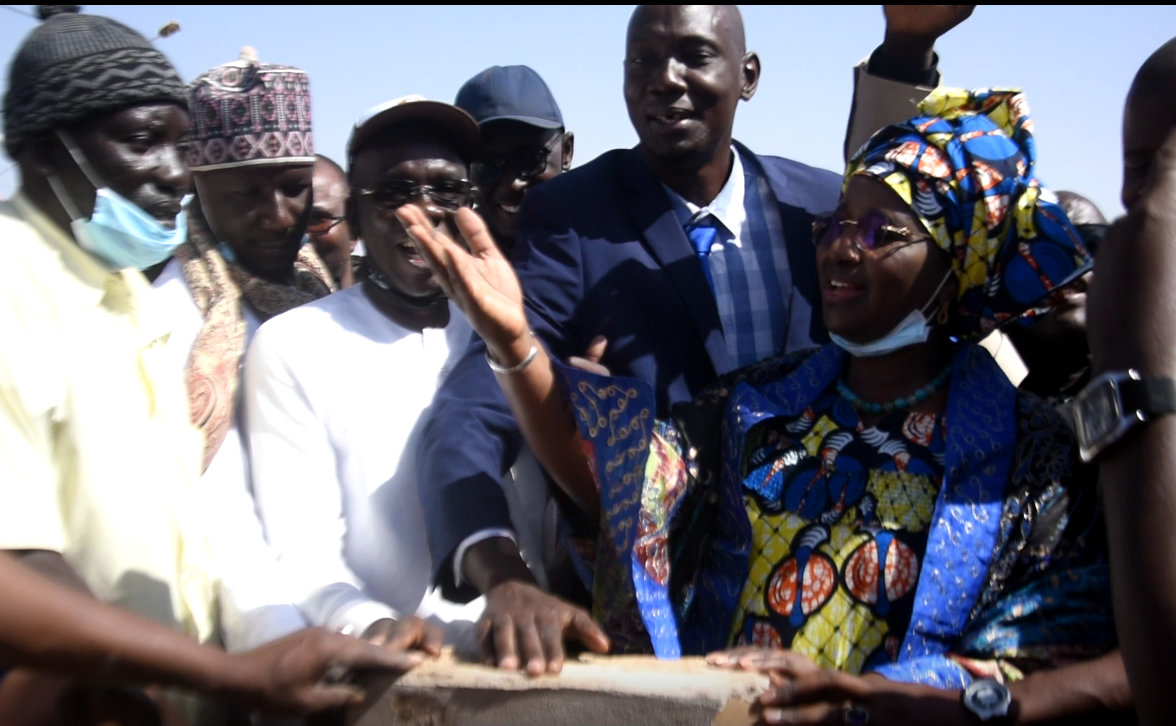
<point>928,549</point>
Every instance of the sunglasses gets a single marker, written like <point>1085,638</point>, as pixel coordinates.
<point>321,223</point>
<point>527,165</point>
<point>449,195</point>
<point>872,232</point>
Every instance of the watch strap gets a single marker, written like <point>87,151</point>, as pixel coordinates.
<point>1151,395</point>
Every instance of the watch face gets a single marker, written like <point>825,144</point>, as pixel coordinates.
<point>1098,412</point>
<point>987,699</point>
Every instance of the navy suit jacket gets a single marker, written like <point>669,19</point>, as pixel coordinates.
<point>600,252</point>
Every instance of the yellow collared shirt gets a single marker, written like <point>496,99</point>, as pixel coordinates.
<point>98,460</point>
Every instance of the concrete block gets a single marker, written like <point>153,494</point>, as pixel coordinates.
<point>590,690</point>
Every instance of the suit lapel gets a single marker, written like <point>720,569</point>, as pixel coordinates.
<point>806,324</point>
<point>666,240</point>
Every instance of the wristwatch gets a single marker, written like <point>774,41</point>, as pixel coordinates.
<point>988,700</point>
<point>1116,402</point>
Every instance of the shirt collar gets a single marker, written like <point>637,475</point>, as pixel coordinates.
<point>727,207</point>
<point>92,273</point>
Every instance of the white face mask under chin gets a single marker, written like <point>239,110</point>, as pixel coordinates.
<point>911,330</point>
<point>118,231</point>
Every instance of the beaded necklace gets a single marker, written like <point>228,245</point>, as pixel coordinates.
<point>899,404</point>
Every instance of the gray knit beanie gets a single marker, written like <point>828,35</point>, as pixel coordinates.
<point>74,66</point>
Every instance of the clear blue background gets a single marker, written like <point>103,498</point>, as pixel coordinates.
<point>1075,63</point>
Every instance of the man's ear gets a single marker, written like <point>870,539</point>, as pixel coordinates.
<point>569,146</point>
<point>751,75</point>
<point>40,155</point>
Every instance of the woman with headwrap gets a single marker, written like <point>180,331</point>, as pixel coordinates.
<point>889,503</point>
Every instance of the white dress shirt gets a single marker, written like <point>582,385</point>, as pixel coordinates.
<point>335,397</point>
<point>255,605</point>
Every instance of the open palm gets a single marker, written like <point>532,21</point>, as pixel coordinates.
<point>480,280</point>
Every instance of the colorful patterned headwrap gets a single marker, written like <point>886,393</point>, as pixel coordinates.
<point>965,165</point>
<point>247,112</point>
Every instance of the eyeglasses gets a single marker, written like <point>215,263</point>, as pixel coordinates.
<point>321,223</point>
<point>526,165</point>
<point>871,233</point>
<point>449,195</point>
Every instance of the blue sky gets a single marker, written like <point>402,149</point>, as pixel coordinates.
<point>1075,64</point>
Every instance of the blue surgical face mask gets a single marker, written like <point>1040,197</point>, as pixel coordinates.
<point>912,330</point>
<point>119,231</point>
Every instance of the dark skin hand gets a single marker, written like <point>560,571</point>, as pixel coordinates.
<point>137,151</point>
<point>29,696</point>
<point>521,625</point>
<point>511,146</point>
<point>484,286</point>
<point>1134,284</point>
<point>328,230</point>
<point>686,69</point>
<point>57,629</point>
<point>911,31</point>
<point>261,212</point>
<point>405,634</point>
<point>1093,692</point>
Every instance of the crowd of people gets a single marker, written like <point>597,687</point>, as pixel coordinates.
<point>269,419</point>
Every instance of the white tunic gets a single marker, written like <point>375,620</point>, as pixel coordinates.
<point>335,399</point>
<point>255,605</point>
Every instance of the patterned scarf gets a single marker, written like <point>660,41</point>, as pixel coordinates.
<point>218,287</point>
<point>966,166</point>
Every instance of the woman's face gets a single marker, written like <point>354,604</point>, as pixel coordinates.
<point>868,291</point>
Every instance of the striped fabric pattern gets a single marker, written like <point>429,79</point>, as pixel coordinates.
<point>748,263</point>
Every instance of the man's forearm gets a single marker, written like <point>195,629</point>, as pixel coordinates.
<point>1141,507</point>
<point>493,561</point>
<point>540,405</point>
<point>1092,692</point>
<point>48,626</point>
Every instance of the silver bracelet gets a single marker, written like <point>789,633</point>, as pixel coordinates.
<point>513,369</point>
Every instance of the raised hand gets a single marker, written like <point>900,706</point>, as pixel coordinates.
<point>927,22</point>
<point>480,280</point>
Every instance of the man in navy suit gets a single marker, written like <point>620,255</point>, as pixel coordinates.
<point>682,258</point>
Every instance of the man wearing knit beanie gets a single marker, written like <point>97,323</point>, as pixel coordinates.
<point>98,461</point>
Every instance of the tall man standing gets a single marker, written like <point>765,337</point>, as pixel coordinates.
<point>690,254</point>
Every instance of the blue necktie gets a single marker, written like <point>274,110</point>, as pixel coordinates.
<point>701,233</point>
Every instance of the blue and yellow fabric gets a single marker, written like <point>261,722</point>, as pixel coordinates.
<point>927,549</point>
<point>1013,568</point>
<point>966,166</point>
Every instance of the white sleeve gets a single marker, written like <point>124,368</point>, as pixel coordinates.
<point>256,605</point>
<point>299,497</point>
<point>473,539</point>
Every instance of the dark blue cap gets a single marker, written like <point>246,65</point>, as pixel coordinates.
<point>514,93</point>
